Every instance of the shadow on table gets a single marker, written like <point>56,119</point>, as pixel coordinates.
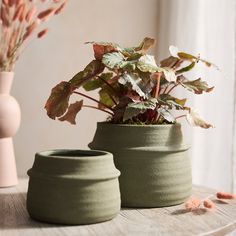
<point>14,214</point>
<point>199,211</point>
<point>181,211</point>
<point>219,201</point>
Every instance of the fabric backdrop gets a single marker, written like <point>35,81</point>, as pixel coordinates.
<point>207,27</point>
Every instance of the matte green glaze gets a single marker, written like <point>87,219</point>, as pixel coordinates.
<point>153,160</point>
<point>73,187</point>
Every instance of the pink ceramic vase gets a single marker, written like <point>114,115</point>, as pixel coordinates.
<point>9,124</point>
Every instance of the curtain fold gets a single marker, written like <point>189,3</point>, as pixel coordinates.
<point>234,118</point>
<point>206,27</point>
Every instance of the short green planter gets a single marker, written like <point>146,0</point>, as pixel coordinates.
<point>73,187</point>
<point>153,160</point>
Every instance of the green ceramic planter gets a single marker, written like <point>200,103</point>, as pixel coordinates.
<point>153,160</point>
<point>73,187</point>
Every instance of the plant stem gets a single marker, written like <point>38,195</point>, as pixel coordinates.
<point>112,99</point>
<point>157,89</point>
<point>172,88</point>
<point>165,89</point>
<point>93,99</point>
<point>93,107</point>
<point>158,117</point>
<point>178,117</point>
<point>104,81</point>
<point>177,64</point>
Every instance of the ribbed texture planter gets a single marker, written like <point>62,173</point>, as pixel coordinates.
<point>73,187</point>
<point>153,160</point>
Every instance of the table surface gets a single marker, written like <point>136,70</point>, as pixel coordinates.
<point>14,219</point>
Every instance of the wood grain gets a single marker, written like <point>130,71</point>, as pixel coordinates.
<point>15,221</point>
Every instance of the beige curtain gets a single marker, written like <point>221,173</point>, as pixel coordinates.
<point>207,27</point>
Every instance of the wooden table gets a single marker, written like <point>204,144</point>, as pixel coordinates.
<point>14,219</point>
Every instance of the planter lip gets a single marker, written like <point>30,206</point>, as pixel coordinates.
<point>59,177</point>
<point>172,133</point>
<point>74,154</point>
<point>45,166</point>
<point>177,148</point>
<point>135,125</point>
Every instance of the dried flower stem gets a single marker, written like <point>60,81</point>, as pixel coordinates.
<point>193,204</point>
<point>225,195</point>
<point>209,204</point>
<point>19,22</point>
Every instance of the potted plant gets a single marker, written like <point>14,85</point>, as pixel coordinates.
<point>20,22</point>
<point>141,130</point>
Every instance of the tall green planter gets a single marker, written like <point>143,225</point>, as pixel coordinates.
<point>73,187</point>
<point>153,160</point>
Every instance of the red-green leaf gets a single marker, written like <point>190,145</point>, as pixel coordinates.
<point>136,52</point>
<point>93,69</point>
<point>72,112</point>
<point>197,86</point>
<point>166,115</point>
<point>169,62</point>
<point>171,101</point>
<point>113,60</point>
<point>102,48</point>
<point>58,101</point>
<point>186,68</point>
<point>187,56</point>
<point>146,44</point>
<point>97,82</point>
<point>135,108</point>
<point>195,119</point>
<point>106,97</point>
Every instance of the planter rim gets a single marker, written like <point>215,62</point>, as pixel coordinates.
<point>136,144</point>
<point>134,125</point>
<point>70,160</point>
<point>73,154</point>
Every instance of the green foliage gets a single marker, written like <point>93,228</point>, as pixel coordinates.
<point>105,98</point>
<point>135,108</point>
<point>91,70</point>
<point>113,60</point>
<point>133,81</point>
<point>197,86</point>
<point>147,63</point>
<point>166,115</point>
<point>97,82</point>
<point>169,62</point>
<point>172,102</point>
<point>132,87</point>
<point>187,68</point>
